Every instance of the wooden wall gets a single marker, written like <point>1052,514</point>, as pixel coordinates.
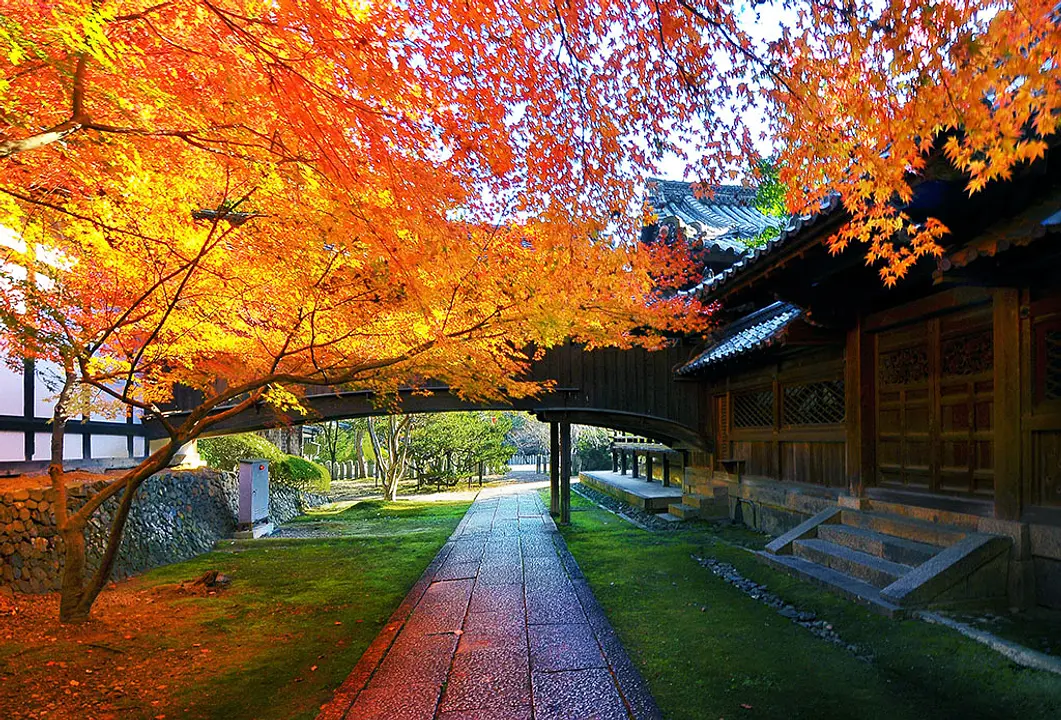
<point>785,419</point>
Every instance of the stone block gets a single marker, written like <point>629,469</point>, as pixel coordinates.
<point>765,494</point>
<point>1048,582</point>
<point>1045,541</point>
<point>951,566</point>
<point>1020,584</point>
<point>852,502</point>
<point>19,495</point>
<point>777,521</point>
<point>807,504</point>
<point>1019,533</point>
<point>807,529</point>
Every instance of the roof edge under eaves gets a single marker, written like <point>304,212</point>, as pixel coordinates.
<point>799,228</point>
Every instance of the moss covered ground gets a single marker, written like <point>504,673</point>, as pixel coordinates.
<point>274,643</point>
<point>710,651</point>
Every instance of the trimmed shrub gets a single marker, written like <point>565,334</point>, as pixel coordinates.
<point>303,474</point>
<point>224,453</point>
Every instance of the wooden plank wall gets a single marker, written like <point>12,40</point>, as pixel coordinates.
<point>815,454</point>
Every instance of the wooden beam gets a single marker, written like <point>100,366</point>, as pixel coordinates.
<point>1007,401</point>
<point>565,473</point>
<point>932,305</point>
<point>648,467</point>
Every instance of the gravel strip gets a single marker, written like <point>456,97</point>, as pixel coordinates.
<point>644,520</point>
<point>821,628</point>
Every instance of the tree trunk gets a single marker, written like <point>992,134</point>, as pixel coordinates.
<point>376,448</point>
<point>359,453</point>
<point>71,609</point>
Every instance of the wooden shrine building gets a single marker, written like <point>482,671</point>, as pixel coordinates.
<point>897,428</point>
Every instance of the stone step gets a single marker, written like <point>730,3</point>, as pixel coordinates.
<point>859,565</point>
<point>961,513</point>
<point>683,511</point>
<point>896,549</point>
<point>902,527</point>
<point>669,517</point>
<point>694,500</point>
<point>843,585</point>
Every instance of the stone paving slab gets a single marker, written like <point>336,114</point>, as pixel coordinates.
<point>501,626</point>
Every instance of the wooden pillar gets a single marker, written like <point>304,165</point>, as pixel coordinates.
<point>554,469</point>
<point>623,462</point>
<point>648,467</point>
<point>565,473</point>
<point>615,461</point>
<point>666,471</point>
<point>1007,411</point>
<point>860,410</point>
<point>635,471</point>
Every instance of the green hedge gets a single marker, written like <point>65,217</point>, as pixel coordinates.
<point>224,453</point>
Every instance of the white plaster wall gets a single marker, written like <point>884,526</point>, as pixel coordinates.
<point>138,447</point>
<point>73,447</point>
<point>109,446</point>
<point>12,446</point>
<point>10,391</point>
<point>46,385</point>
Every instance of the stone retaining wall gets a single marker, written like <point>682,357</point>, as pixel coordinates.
<point>176,515</point>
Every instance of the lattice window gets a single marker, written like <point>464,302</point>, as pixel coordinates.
<point>968,354</point>
<point>1051,380</point>
<point>818,403</point>
<point>753,409</point>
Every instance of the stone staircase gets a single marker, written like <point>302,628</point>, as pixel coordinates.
<point>712,505</point>
<point>896,558</point>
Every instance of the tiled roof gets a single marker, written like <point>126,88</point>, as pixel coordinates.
<point>724,222</point>
<point>759,330</point>
<point>793,227</point>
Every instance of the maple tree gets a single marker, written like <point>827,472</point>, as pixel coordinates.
<point>244,196</point>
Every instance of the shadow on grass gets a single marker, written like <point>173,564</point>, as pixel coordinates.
<point>299,614</point>
<point>708,650</point>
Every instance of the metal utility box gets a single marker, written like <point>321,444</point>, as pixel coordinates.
<point>253,491</point>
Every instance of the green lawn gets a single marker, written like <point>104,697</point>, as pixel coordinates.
<point>736,658</point>
<point>303,611</point>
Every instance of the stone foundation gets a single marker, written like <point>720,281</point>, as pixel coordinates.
<point>1031,570</point>
<point>175,515</point>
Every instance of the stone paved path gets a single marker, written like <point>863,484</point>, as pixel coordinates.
<point>502,626</point>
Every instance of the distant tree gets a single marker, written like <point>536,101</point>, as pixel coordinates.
<point>334,441</point>
<point>592,447</point>
<point>528,435</point>
<point>453,445</point>
<point>770,199</point>
<point>390,443</point>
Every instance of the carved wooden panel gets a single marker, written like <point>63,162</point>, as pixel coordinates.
<point>935,405</point>
<point>904,366</point>
<point>970,354</point>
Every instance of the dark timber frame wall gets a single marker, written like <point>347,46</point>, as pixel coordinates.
<point>29,424</point>
<point>755,419</point>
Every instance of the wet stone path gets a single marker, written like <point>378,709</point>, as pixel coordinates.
<point>502,626</point>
